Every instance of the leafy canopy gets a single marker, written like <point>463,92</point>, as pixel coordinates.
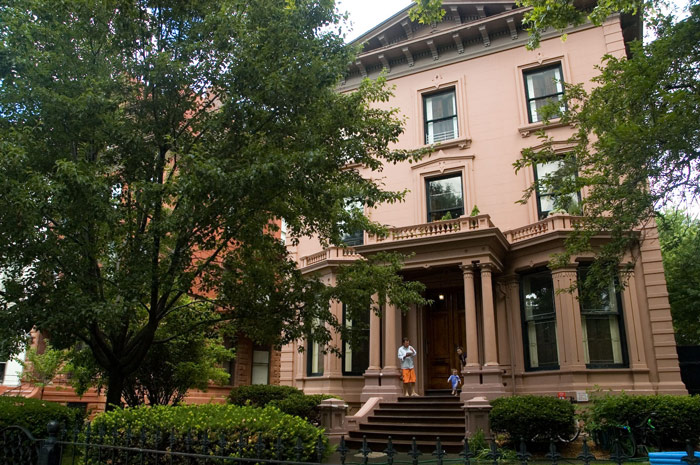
<point>147,153</point>
<point>635,146</point>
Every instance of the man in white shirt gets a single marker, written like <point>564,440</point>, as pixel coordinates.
<point>408,372</point>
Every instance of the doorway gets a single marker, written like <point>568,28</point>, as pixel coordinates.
<point>444,331</point>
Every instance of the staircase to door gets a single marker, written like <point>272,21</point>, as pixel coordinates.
<point>437,414</point>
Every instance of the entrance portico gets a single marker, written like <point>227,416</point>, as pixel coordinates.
<point>458,273</point>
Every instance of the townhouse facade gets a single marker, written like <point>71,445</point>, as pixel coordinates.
<point>469,85</point>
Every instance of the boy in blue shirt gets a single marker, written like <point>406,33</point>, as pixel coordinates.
<point>455,380</point>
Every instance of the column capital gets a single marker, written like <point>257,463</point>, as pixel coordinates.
<point>467,271</point>
<point>567,272</point>
<point>487,268</point>
<point>509,280</point>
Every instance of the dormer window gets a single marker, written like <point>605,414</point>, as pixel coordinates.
<point>440,116</point>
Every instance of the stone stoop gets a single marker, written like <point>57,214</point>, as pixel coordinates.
<point>438,414</point>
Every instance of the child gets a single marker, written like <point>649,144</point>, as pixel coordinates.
<point>455,380</point>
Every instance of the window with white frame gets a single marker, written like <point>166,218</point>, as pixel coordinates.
<point>440,116</point>
<point>548,200</point>
<point>353,237</point>
<point>543,86</point>
<point>539,320</point>
<point>601,324</point>
<point>260,373</point>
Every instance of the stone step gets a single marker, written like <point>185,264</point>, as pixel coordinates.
<point>412,427</point>
<point>446,420</point>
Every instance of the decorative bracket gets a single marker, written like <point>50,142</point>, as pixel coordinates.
<point>513,30</point>
<point>363,71</point>
<point>480,11</point>
<point>409,56</point>
<point>382,39</point>
<point>485,36</point>
<point>458,42</point>
<point>407,28</point>
<point>433,49</point>
<point>385,63</point>
<point>455,15</point>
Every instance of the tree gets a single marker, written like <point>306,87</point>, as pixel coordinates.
<point>41,369</point>
<point>147,151</point>
<point>636,143</point>
<point>679,235</point>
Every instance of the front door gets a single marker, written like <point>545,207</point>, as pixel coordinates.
<point>444,330</point>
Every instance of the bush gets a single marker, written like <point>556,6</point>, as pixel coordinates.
<point>531,416</point>
<point>205,428</point>
<point>259,395</point>
<point>35,415</point>
<point>675,418</point>
<point>302,406</point>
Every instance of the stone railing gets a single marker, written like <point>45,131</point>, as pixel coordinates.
<point>555,222</point>
<point>434,229</point>
<point>330,253</point>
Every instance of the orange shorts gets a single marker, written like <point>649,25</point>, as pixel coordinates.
<point>409,375</point>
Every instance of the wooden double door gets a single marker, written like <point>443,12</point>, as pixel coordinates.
<point>444,330</point>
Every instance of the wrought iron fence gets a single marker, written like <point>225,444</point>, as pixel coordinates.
<point>19,447</point>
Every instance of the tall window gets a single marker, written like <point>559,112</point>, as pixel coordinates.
<point>440,116</point>
<point>547,200</point>
<point>260,373</point>
<point>2,372</point>
<point>539,320</point>
<point>314,361</point>
<point>356,356</point>
<point>445,197</point>
<point>542,86</point>
<point>354,237</point>
<point>601,323</point>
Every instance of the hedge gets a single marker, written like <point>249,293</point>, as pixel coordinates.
<point>35,415</point>
<point>304,406</point>
<point>182,428</point>
<point>531,417</point>
<point>675,418</point>
<point>259,395</point>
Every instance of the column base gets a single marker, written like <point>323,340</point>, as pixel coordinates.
<point>385,383</point>
<point>484,381</point>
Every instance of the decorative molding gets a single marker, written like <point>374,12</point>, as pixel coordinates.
<point>526,131</point>
<point>442,161</point>
<point>485,35</point>
<point>480,10</point>
<point>382,39</point>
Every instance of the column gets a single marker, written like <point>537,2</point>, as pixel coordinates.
<point>373,374</point>
<point>490,338</point>
<point>470,317</point>
<point>375,328</point>
<point>569,331</point>
<point>633,327</point>
<point>391,383</point>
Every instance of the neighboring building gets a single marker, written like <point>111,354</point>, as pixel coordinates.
<point>469,84</point>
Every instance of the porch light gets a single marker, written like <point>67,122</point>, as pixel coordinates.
<point>441,297</point>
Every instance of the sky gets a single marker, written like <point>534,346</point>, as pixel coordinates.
<point>365,14</point>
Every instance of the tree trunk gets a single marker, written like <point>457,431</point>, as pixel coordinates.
<point>115,384</point>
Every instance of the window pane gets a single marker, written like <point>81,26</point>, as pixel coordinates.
<point>261,367</point>
<point>356,356</point>
<point>542,87</point>
<point>440,106</point>
<point>548,201</point>
<point>356,237</point>
<point>540,327</point>
<point>315,359</point>
<point>445,195</point>
<point>440,112</point>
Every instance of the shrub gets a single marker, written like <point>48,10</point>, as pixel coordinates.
<point>304,406</point>
<point>675,418</point>
<point>35,415</point>
<point>213,429</point>
<point>259,395</point>
<point>531,416</point>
